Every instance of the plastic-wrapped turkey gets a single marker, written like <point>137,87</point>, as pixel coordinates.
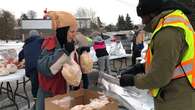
<point>71,71</point>
<point>12,68</point>
<point>3,70</point>
<point>86,62</point>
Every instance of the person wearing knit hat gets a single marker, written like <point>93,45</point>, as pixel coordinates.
<point>34,33</point>
<point>169,67</point>
<point>55,53</point>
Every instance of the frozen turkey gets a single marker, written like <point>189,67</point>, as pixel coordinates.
<point>12,68</point>
<point>86,63</point>
<point>3,70</point>
<point>71,71</point>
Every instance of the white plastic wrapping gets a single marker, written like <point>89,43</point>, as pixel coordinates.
<point>8,61</point>
<point>130,97</point>
<point>12,68</point>
<point>3,70</point>
<point>86,63</point>
<point>71,71</point>
<point>9,55</point>
<point>95,104</point>
<point>116,49</point>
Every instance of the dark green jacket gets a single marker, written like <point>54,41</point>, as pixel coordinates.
<point>168,46</point>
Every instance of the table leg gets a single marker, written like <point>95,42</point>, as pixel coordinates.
<point>121,64</point>
<point>1,87</point>
<point>12,98</point>
<point>126,62</point>
<point>24,88</point>
<point>10,95</point>
<point>113,69</point>
<point>119,67</point>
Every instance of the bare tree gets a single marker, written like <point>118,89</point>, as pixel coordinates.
<point>87,13</point>
<point>31,14</point>
<point>92,15</point>
<point>99,22</point>
<point>7,24</point>
<point>82,12</point>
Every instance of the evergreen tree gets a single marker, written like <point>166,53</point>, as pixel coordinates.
<point>121,24</point>
<point>110,28</point>
<point>129,23</point>
<point>118,22</point>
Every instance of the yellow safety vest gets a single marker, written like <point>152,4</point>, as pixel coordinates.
<point>187,65</point>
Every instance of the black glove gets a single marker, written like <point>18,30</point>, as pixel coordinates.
<point>127,80</point>
<point>133,70</point>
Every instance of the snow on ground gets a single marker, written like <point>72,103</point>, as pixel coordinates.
<point>11,45</point>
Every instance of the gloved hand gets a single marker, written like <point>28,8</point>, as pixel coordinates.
<point>127,80</point>
<point>80,50</point>
<point>133,70</point>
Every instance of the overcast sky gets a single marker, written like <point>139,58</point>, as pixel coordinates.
<point>107,10</point>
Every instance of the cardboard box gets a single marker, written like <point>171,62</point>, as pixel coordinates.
<point>80,97</point>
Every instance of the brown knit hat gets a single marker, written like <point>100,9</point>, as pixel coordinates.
<point>61,19</point>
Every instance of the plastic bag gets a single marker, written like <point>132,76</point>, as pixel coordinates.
<point>3,70</point>
<point>8,61</point>
<point>12,68</point>
<point>86,63</point>
<point>116,49</point>
<point>9,55</point>
<point>71,71</point>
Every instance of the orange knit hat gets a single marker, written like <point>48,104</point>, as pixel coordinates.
<point>61,19</point>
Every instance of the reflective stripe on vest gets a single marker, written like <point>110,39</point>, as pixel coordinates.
<point>187,66</point>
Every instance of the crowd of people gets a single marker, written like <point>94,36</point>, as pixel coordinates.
<point>168,71</point>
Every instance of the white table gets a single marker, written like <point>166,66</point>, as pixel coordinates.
<point>121,56</point>
<point>19,75</point>
<point>13,77</point>
<point>114,57</point>
<point>120,59</point>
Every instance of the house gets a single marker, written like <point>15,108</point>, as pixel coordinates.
<point>44,26</point>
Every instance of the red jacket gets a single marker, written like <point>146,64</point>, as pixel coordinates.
<point>55,84</point>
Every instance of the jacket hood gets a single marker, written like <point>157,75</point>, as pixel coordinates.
<point>30,39</point>
<point>150,27</point>
<point>173,5</point>
<point>34,33</point>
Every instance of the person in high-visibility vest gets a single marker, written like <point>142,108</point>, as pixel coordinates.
<point>170,64</point>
